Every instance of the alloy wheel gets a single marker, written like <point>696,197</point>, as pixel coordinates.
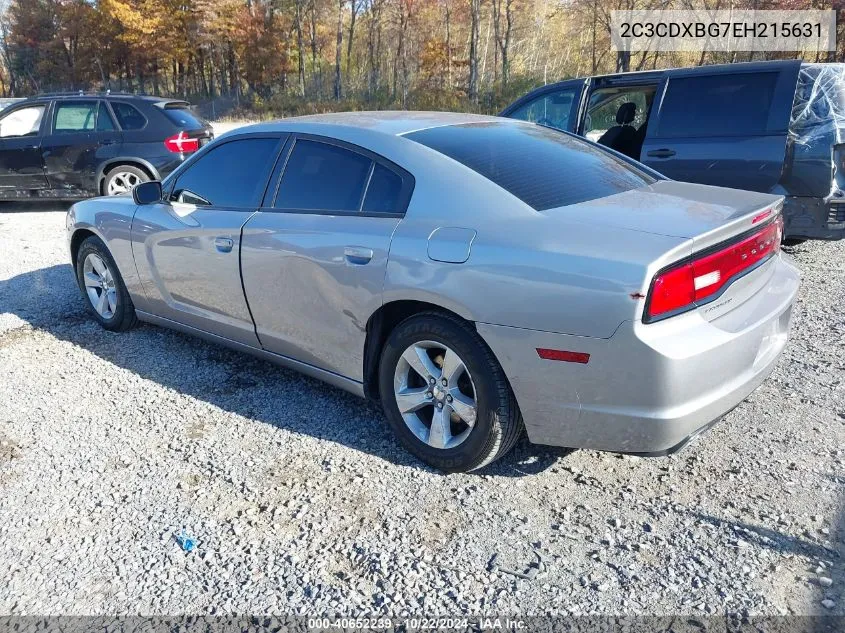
<point>122,182</point>
<point>100,285</point>
<point>435,394</point>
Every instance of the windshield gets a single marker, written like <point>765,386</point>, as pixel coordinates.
<point>542,167</point>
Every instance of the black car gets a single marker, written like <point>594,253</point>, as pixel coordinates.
<point>774,127</point>
<point>68,146</point>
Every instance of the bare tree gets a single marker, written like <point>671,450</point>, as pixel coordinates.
<point>475,18</point>
<point>338,78</point>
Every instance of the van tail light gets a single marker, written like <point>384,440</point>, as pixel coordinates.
<point>181,143</point>
<point>702,278</point>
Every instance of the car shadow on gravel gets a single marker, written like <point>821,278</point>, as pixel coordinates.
<point>49,300</point>
<point>823,549</point>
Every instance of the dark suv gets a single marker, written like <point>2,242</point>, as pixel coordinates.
<point>775,127</point>
<point>68,146</point>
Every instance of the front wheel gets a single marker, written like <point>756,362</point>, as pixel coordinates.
<point>105,294</point>
<point>445,395</point>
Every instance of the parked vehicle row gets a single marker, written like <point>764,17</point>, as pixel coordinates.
<point>475,275</point>
<point>69,146</point>
<point>774,127</point>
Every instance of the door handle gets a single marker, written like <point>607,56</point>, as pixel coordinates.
<point>358,255</point>
<point>224,244</point>
<point>107,142</point>
<point>661,153</point>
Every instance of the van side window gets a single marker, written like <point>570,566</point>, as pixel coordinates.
<point>717,105</point>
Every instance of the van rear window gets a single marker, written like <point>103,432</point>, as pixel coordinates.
<point>542,167</point>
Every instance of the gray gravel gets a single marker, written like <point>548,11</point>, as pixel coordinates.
<point>300,501</point>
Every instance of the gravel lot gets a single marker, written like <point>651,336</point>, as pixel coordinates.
<point>300,500</point>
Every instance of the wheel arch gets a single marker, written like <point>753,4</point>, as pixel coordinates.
<point>130,161</point>
<point>79,236</point>
<point>379,326</point>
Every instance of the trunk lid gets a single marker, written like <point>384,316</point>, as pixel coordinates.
<point>704,219</point>
<point>707,215</point>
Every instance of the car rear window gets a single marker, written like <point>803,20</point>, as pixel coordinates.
<point>182,116</point>
<point>542,167</point>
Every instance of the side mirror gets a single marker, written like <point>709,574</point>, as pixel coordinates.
<point>147,192</point>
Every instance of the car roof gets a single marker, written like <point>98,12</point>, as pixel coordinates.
<point>62,96</point>
<point>390,122</point>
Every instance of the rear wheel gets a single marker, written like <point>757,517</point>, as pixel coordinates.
<point>445,395</point>
<point>105,294</point>
<point>122,179</point>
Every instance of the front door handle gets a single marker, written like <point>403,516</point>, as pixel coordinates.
<point>108,141</point>
<point>224,244</point>
<point>661,153</point>
<point>358,255</point>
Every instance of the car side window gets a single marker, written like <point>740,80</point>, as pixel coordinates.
<point>22,122</point>
<point>716,105</point>
<point>232,174</point>
<point>76,116</point>
<point>104,120</point>
<point>553,109</point>
<point>128,116</point>
<point>384,191</point>
<point>323,177</point>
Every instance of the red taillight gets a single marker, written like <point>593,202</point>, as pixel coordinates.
<point>182,144</point>
<point>699,280</point>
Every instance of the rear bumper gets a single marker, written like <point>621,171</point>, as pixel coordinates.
<point>814,218</point>
<point>648,388</point>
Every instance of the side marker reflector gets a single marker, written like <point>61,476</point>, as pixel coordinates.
<point>563,355</point>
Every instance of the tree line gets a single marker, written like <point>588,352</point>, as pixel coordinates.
<point>291,56</point>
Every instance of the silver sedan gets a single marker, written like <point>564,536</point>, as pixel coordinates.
<point>477,276</point>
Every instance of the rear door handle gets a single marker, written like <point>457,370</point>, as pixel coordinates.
<point>358,255</point>
<point>661,153</point>
<point>224,244</point>
<point>107,142</point>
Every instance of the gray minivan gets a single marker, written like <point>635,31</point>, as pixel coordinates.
<point>775,127</point>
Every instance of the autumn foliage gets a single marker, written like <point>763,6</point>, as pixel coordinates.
<point>314,55</point>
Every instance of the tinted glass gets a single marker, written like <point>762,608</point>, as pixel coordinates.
<point>128,116</point>
<point>717,105</point>
<point>75,117</point>
<point>230,175</point>
<point>553,109</point>
<point>383,192</point>
<point>184,118</point>
<point>542,167</point>
<point>104,121</point>
<point>323,177</point>
<point>23,122</point>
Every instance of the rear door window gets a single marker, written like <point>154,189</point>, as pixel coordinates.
<point>323,177</point>
<point>725,104</point>
<point>542,167</point>
<point>77,116</point>
<point>233,174</point>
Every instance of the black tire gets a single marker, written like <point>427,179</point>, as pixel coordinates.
<point>498,423</point>
<point>120,171</point>
<point>123,316</point>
